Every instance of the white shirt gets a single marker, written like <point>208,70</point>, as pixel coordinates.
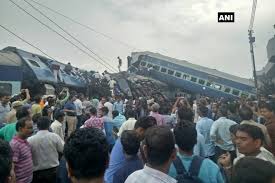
<point>264,155</point>
<point>151,175</point>
<point>45,148</point>
<point>109,105</point>
<point>127,125</point>
<point>78,106</point>
<point>57,128</point>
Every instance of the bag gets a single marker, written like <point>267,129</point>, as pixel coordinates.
<point>190,176</point>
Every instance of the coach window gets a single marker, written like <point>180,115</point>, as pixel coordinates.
<point>201,81</point>
<point>149,65</point>
<point>193,79</point>
<point>218,87</point>
<point>170,72</point>
<point>34,63</point>
<point>209,84</point>
<point>178,74</point>
<point>245,95</point>
<point>186,76</point>
<point>236,92</point>
<point>143,64</point>
<point>156,67</point>
<point>163,70</point>
<point>227,90</point>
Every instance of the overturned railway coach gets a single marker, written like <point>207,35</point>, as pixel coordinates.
<point>193,78</point>
<point>21,69</point>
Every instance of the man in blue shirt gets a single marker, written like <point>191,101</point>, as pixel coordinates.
<point>118,105</point>
<point>186,138</point>
<point>117,157</point>
<point>130,142</point>
<point>204,127</point>
<point>118,119</point>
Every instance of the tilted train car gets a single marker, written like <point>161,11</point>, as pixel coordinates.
<point>20,69</point>
<point>192,78</point>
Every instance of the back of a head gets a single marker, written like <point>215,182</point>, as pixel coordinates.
<point>37,99</point>
<point>22,112</point>
<point>5,160</point>
<point>130,142</point>
<point>36,117</point>
<point>43,123</point>
<point>59,114</point>
<point>145,122</point>
<point>253,170</point>
<point>222,112</point>
<point>186,135</point>
<point>246,113</point>
<point>86,152</point>
<point>185,113</point>
<point>105,110</point>
<point>131,113</point>
<point>155,107</point>
<point>203,111</point>
<point>93,111</point>
<point>253,131</point>
<point>160,144</point>
<point>115,113</point>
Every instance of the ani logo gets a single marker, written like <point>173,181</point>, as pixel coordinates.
<point>225,17</point>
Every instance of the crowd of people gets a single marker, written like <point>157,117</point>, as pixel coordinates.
<point>70,138</point>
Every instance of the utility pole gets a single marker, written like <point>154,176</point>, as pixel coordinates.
<point>251,41</point>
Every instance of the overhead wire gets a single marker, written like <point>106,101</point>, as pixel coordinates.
<point>59,34</point>
<point>86,26</point>
<point>73,37</point>
<point>22,39</point>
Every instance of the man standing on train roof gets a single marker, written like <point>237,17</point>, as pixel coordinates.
<point>119,63</point>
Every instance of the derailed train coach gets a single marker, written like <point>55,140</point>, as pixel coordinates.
<point>20,69</point>
<point>192,78</point>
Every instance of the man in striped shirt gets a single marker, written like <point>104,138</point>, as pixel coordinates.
<point>22,157</point>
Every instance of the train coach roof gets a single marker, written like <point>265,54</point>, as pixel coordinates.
<point>207,70</point>
<point>9,58</point>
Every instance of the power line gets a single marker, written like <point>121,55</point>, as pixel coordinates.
<point>86,26</point>
<point>73,37</point>
<point>57,33</point>
<point>25,41</point>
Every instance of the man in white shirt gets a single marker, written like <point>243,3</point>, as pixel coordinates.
<point>249,141</point>
<point>129,124</point>
<point>109,105</point>
<point>58,125</point>
<point>159,150</point>
<point>79,109</point>
<point>45,147</point>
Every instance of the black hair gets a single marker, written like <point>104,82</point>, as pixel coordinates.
<point>253,170</point>
<point>5,160</point>
<point>234,128</point>
<point>115,113</point>
<point>59,114</point>
<point>145,122</point>
<point>185,113</point>
<point>269,105</point>
<point>37,99</point>
<point>130,113</point>
<point>21,123</point>
<point>223,111</point>
<point>105,110</point>
<point>43,123</point>
<point>86,152</point>
<point>93,111</point>
<point>186,135</point>
<point>253,131</point>
<point>36,117</point>
<point>246,113</point>
<point>130,142</point>
<point>22,112</point>
<point>160,144</point>
<point>203,110</point>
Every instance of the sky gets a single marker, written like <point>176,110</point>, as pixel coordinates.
<point>182,29</point>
